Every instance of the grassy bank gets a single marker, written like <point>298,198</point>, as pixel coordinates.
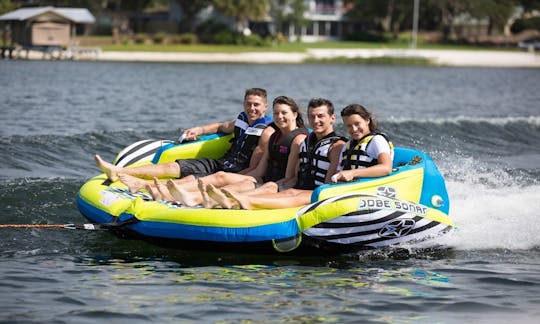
<point>106,44</point>
<point>383,60</point>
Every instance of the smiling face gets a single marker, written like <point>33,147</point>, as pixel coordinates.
<point>284,117</point>
<point>255,107</point>
<point>356,126</point>
<point>321,121</point>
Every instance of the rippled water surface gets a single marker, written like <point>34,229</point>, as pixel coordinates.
<point>481,126</point>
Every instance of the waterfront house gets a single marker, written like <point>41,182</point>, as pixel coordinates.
<point>43,26</point>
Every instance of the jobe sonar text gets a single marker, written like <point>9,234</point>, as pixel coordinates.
<point>399,205</point>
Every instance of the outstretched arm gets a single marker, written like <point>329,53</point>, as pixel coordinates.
<point>223,127</point>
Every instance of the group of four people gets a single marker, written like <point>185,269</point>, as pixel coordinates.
<point>271,164</point>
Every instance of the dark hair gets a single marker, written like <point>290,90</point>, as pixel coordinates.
<point>317,102</point>
<point>284,100</point>
<point>357,109</point>
<point>256,92</point>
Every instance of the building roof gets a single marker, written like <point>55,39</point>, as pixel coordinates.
<point>76,15</point>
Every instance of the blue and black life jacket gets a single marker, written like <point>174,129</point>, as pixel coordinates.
<point>246,138</point>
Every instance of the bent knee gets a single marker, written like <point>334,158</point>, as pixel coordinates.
<point>172,169</point>
<point>220,175</point>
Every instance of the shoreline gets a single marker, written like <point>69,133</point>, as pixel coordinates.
<point>463,58</point>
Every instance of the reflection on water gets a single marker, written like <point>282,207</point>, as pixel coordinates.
<point>254,292</point>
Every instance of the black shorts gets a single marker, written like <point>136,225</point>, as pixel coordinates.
<point>199,167</point>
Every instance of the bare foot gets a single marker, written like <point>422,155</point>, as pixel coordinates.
<point>181,195</point>
<point>109,169</point>
<point>133,183</point>
<point>220,197</point>
<point>153,191</point>
<point>165,194</point>
<point>239,199</point>
<point>206,200</point>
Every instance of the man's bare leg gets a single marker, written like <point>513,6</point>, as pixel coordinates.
<point>166,170</point>
<point>135,184</point>
<point>109,169</point>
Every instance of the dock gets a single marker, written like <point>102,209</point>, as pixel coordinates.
<point>50,53</point>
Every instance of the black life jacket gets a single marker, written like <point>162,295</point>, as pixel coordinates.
<point>355,154</point>
<point>246,138</point>
<point>279,148</point>
<point>314,161</point>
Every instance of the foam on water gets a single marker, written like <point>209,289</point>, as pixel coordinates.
<point>493,207</point>
<point>492,218</point>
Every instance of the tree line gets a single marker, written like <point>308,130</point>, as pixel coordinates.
<point>370,17</point>
<point>393,16</point>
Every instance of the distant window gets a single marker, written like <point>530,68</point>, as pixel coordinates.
<point>325,7</point>
<point>309,28</point>
<point>334,29</point>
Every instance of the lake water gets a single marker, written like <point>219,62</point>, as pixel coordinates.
<point>480,125</point>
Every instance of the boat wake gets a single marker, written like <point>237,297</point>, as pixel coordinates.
<point>494,218</point>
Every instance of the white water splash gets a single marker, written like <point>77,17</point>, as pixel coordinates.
<point>492,218</point>
<point>492,208</point>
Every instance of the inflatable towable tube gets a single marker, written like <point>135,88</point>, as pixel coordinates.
<point>409,205</point>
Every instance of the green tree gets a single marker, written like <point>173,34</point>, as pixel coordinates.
<point>6,6</point>
<point>529,6</point>
<point>390,16</point>
<point>447,11</point>
<point>190,10</point>
<point>115,5</point>
<point>369,13</point>
<point>242,11</point>
<point>496,11</point>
